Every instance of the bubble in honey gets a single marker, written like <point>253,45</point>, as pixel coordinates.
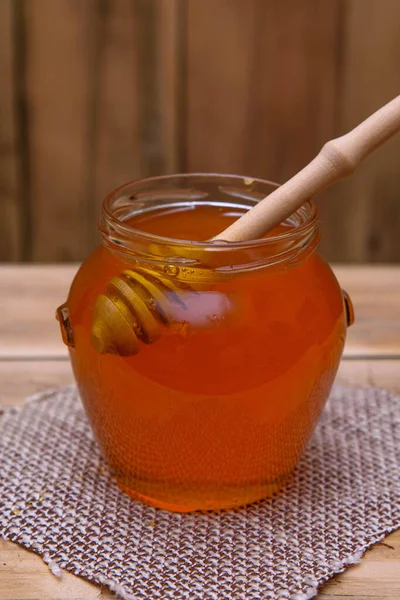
<point>138,329</point>
<point>171,270</point>
<point>151,303</point>
<point>214,318</point>
<point>183,330</point>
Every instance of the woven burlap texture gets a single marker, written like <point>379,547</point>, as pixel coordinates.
<point>59,500</point>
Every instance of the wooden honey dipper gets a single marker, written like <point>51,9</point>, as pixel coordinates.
<point>138,300</point>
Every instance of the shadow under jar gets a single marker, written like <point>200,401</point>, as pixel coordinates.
<point>203,367</point>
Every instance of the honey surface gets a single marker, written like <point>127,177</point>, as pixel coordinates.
<point>198,223</point>
<point>217,411</point>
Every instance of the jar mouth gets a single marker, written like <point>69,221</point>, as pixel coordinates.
<point>136,197</point>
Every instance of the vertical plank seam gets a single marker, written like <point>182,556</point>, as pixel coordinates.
<point>23,122</point>
<point>341,39</point>
<point>182,108</point>
<point>254,69</point>
<point>93,112</point>
<point>152,157</point>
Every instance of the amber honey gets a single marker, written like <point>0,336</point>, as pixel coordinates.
<point>218,410</point>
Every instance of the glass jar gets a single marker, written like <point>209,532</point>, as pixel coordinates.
<point>203,367</point>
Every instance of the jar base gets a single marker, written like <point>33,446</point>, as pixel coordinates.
<point>232,498</point>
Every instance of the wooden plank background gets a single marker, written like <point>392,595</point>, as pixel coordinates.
<point>98,92</point>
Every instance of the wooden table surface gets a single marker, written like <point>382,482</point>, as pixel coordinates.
<point>32,358</point>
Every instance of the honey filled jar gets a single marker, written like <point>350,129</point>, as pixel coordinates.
<point>203,366</point>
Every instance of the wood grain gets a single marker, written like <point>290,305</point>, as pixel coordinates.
<point>31,329</point>
<point>11,248</point>
<point>22,378</point>
<point>261,84</point>
<point>60,56</point>
<point>98,92</point>
<point>375,293</point>
<point>136,94</point>
<point>117,118</point>
<point>29,296</point>
<point>171,33</point>
<point>337,159</point>
<point>379,372</point>
<point>23,576</point>
<point>365,208</point>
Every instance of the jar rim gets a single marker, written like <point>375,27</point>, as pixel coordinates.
<point>307,215</point>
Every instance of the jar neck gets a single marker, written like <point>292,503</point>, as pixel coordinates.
<point>294,245</point>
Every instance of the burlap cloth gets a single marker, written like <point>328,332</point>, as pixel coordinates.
<point>59,500</point>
